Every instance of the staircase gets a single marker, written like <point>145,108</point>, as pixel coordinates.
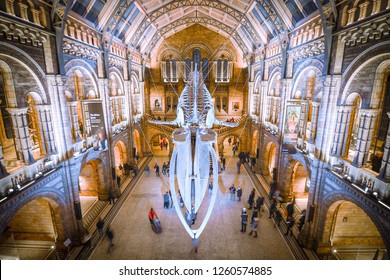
<point>93,213</point>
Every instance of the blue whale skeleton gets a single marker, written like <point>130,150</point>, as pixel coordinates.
<point>193,148</point>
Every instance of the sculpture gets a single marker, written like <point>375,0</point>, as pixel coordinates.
<point>193,149</point>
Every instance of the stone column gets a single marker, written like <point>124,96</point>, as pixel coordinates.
<point>22,135</point>
<point>314,120</point>
<point>351,15</point>
<point>46,128</point>
<point>74,121</point>
<point>250,110</point>
<point>343,123</point>
<point>384,173</point>
<point>145,100</point>
<point>302,123</point>
<point>367,122</point>
<point>9,7</point>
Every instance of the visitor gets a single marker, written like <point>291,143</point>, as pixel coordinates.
<point>99,226</point>
<point>232,191</point>
<point>251,199</point>
<point>254,227</point>
<point>244,219</point>
<point>290,223</point>
<point>239,193</point>
<point>166,200</point>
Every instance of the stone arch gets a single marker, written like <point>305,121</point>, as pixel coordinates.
<point>155,138</point>
<point>270,158</point>
<point>352,98</point>
<point>222,138</point>
<point>120,153</point>
<point>368,61</point>
<point>11,54</point>
<point>295,170</point>
<point>187,52</point>
<point>167,51</point>
<point>255,143</point>
<point>327,213</point>
<point>60,211</point>
<point>274,79</point>
<point>31,80</point>
<point>135,95</point>
<point>313,66</point>
<point>100,158</point>
<point>8,84</point>
<point>256,96</point>
<point>91,179</point>
<point>115,76</point>
<point>34,125</point>
<point>378,89</point>
<point>137,141</point>
<point>80,67</point>
<point>257,83</point>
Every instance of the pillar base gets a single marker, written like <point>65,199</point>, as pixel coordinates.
<point>3,171</point>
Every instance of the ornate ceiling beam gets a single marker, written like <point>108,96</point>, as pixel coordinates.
<point>240,17</point>
<point>111,26</point>
<point>328,17</point>
<point>59,15</point>
<point>207,21</point>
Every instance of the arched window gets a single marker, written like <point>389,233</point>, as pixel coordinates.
<point>167,69</point>
<point>222,74</point>
<point>218,103</point>
<point>34,128</point>
<point>6,131</point>
<point>168,104</point>
<point>378,142</point>
<point>224,103</point>
<point>205,69</point>
<point>196,59</point>
<point>117,99</point>
<point>170,71</point>
<point>354,129</point>
<point>188,67</point>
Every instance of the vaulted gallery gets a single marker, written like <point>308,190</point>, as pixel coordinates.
<point>90,97</point>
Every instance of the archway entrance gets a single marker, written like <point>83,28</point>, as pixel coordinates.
<point>351,233</point>
<point>160,145</point>
<point>300,181</point>
<point>33,231</point>
<point>228,143</point>
<point>90,182</point>
<point>270,159</point>
<point>136,142</point>
<point>254,144</point>
<point>8,144</point>
<point>120,154</point>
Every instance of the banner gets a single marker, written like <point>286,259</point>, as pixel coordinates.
<point>291,129</point>
<point>96,118</point>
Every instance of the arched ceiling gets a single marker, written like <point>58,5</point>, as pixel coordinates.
<point>144,24</point>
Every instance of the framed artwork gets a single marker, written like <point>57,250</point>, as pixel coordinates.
<point>291,128</point>
<point>236,105</point>
<point>157,104</point>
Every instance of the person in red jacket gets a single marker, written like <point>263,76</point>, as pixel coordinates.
<point>152,215</point>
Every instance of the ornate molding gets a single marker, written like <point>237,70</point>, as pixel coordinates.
<point>78,49</point>
<point>26,35</point>
<point>366,32</point>
<point>116,61</point>
<point>274,61</point>
<point>308,50</point>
